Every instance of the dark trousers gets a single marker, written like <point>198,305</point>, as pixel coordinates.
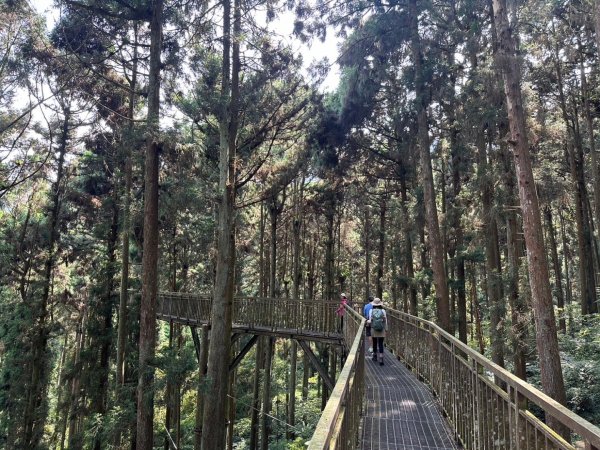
<point>378,345</point>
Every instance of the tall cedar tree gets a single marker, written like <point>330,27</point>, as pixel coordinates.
<point>541,295</point>
<point>147,340</point>
<point>215,411</point>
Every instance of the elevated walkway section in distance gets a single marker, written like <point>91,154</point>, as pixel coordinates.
<point>294,319</point>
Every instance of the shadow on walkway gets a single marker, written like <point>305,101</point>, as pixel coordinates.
<point>400,411</point>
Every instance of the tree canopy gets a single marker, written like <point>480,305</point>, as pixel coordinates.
<point>185,146</point>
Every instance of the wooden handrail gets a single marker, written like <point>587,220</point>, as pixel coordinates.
<point>515,387</point>
<point>338,426</point>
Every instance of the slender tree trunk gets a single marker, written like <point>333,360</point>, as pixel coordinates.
<point>490,237</point>
<point>231,410</point>
<point>61,404</point>
<point>106,309</point>
<point>519,310</point>
<point>338,245</point>
<point>398,291</point>
<point>34,416</point>
<point>147,342</point>
<point>178,391</point>
<point>590,129</point>
<point>73,412</point>
<point>425,284</point>
<point>275,209</point>
<point>169,400</point>
<point>433,227</point>
<point>408,251</point>
<point>381,254</point>
<point>123,295</point>
<point>215,411</point>
<point>265,428</point>
<point>312,263</point>
<point>284,291</point>
<point>575,161</point>
<point>566,256</point>
<point>291,415</point>
<point>456,211</point>
<point>477,311</point>
<point>562,324</point>
<point>172,388</point>
<point>584,231</point>
<point>273,214</point>
<point>329,247</point>
<point>20,257</point>
<point>324,353</point>
<point>444,234</point>
<point>261,257</point>
<point>519,316</point>
<point>305,376</point>
<point>545,322</point>
<point>200,389</point>
<point>332,363</point>
<point>256,404</point>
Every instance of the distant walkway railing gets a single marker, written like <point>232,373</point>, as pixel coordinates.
<point>484,415</point>
<point>303,317</point>
<point>339,424</point>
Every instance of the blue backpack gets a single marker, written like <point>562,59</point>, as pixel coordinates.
<point>377,319</point>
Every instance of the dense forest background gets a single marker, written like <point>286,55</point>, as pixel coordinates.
<point>181,145</point>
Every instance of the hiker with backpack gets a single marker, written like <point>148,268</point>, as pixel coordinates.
<point>378,322</point>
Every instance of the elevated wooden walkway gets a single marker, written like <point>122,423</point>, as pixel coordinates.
<point>393,408</point>
<point>400,412</point>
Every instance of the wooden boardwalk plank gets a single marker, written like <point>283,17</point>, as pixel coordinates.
<point>400,412</point>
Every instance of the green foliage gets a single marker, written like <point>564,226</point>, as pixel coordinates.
<point>582,380</point>
<point>582,366</point>
<point>15,319</point>
<point>580,356</point>
<point>307,412</point>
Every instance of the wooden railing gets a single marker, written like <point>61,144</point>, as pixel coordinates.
<point>303,317</point>
<point>185,308</point>
<point>340,420</point>
<point>484,415</point>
